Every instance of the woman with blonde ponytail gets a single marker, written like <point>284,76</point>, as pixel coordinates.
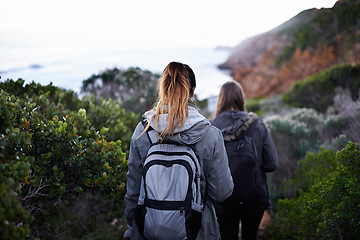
<point>174,118</point>
<point>176,89</point>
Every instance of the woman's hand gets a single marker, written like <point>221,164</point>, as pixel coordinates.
<point>127,233</point>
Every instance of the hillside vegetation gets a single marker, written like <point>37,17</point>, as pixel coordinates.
<point>63,160</point>
<point>315,186</point>
<point>62,172</point>
<point>133,88</point>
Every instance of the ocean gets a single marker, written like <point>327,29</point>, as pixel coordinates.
<point>67,66</point>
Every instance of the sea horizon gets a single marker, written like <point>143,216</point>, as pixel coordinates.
<point>67,68</point>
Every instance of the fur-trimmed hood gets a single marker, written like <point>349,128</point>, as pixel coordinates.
<point>233,123</point>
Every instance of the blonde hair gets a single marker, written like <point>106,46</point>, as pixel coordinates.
<point>231,97</point>
<point>176,87</point>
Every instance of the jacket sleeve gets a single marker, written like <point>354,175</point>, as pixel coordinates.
<point>216,169</point>
<point>269,155</point>
<point>133,177</point>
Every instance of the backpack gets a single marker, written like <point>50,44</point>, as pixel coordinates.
<point>170,203</point>
<point>250,190</point>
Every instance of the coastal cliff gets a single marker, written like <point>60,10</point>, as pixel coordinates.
<point>310,42</point>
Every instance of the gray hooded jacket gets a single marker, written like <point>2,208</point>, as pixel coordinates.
<point>216,180</point>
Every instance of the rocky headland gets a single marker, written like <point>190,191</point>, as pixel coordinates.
<point>310,42</point>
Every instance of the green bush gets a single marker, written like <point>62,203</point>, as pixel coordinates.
<point>294,134</point>
<point>318,90</point>
<point>14,219</point>
<point>52,101</point>
<point>61,100</point>
<point>297,132</point>
<point>254,105</point>
<point>309,116</point>
<point>330,207</point>
<point>313,168</point>
<point>133,88</point>
<point>47,160</point>
<point>109,115</point>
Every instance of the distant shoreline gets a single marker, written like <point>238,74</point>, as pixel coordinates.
<point>68,71</point>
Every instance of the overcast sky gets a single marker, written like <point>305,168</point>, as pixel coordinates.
<point>145,23</point>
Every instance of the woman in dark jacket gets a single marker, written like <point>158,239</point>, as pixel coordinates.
<point>233,120</point>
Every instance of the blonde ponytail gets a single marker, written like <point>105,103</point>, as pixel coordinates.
<point>176,86</point>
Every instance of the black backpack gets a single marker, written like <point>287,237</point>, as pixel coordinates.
<point>250,190</point>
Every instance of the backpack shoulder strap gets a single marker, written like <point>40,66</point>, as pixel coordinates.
<point>151,133</point>
<point>154,137</point>
<point>249,132</point>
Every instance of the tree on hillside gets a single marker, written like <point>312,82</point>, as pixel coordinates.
<point>134,89</point>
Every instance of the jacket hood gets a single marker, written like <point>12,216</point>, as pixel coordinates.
<point>232,123</point>
<point>192,131</point>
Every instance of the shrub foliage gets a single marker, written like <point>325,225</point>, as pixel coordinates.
<point>330,207</point>
<point>318,90</point>
<point>51,155</point>
<point>63,159</point>
<point>133,88</point>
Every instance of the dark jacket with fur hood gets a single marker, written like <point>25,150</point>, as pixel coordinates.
<point>233,123</point>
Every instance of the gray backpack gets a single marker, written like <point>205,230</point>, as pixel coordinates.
<point>170,203</point>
